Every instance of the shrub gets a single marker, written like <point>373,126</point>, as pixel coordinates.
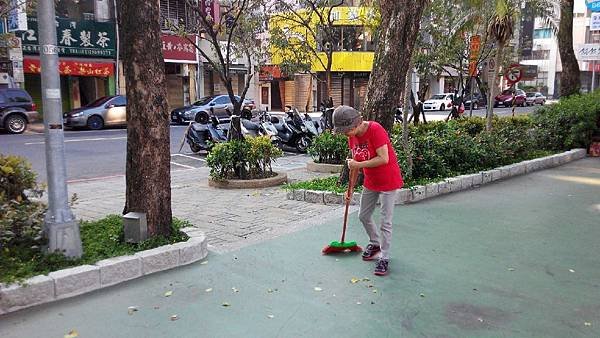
<point>569,123</point>
<point>243,159</point>
<point>21,219</point>
<point>329,148</point>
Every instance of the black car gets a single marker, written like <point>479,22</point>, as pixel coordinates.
<point>477,99</point>
<point>215,103</point>
<point>16,110</point>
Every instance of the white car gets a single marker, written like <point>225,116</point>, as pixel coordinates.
<point>439,102</point>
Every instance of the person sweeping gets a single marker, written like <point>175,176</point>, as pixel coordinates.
<point>372,152</point>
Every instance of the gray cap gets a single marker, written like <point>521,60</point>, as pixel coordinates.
<point>345,118</point>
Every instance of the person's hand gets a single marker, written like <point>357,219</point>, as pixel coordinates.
<point>353,165</point>
<point>347,197</point>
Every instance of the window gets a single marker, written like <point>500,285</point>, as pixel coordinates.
<point>348,38</point>
<point>119,101</point>
<point>177,12</point>
<point>592,36</point>
<point>222,100</point>
<point>18,96</point>
<point>540,54</point>
<point>542,33</point>
<point>75,9</point>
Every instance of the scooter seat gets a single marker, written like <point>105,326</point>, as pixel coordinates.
<point>249,125</point>
<point>199,126</point>
<point>280,127</point>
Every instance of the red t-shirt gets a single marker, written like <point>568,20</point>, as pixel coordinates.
<point>385,177</point>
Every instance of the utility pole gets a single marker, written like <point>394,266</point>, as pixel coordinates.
<point>60,225</point>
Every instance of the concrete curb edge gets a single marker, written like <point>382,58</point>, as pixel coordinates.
<point>451,184</point>
<point>78,280</point>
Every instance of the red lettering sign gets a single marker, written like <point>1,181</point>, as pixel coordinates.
<point>178,48</point>
<point>73,68</point>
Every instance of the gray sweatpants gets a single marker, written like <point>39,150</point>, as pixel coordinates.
<point>368,201</point>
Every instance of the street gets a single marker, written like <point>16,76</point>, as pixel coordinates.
<point>97,154</point>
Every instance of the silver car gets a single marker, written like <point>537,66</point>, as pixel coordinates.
<point>535,98</point>
<point>206,106</point>
<point>105,111</point>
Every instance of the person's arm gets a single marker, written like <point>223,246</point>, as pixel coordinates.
<point>382,158</point>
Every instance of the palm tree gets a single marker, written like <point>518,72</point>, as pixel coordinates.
<point>501,30</point>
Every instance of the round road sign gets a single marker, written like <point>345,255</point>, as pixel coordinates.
<point>513,73</point>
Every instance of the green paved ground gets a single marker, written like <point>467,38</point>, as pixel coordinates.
<point>491,262</point>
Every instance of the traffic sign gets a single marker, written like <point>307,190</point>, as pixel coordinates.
<point>593,5</point>
<point>491,66</point>
<point>513,74</point>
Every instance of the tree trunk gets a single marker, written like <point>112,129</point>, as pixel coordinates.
<point>148,176</point>
<point>398,30</point>
<point>492,87</point>
<point>569,78</point>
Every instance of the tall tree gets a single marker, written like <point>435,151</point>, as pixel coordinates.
<point>569,78</point>
<point>148,176</point>
<point>397,34</point>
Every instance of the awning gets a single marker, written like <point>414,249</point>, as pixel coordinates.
<point>72,68</point>
<point>270,72</point>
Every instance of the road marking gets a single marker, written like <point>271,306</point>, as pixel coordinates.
<point>84,140</point>
<point>193,158</point>
<point>183,165</point>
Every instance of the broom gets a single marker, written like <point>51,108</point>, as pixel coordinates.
<point>343,246</point>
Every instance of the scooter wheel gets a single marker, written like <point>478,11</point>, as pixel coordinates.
<point>303,143</point>
<point>195,148</point>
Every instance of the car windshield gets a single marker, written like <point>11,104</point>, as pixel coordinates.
<point>203,101</point>
<point>530,94</point>
<point>507,92</point>
<point>99,101</point>
<point>438,97</point>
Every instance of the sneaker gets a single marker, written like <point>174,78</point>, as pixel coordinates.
<point>382,267</point>
<point>370,252</point>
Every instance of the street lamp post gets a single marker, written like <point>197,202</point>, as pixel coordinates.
<point>60,225</point>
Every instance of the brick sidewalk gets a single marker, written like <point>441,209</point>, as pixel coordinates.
<point>230,218</point>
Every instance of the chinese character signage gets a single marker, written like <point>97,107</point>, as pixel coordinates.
<point>595,21</point>
<point>75,38</point>
<point>17,16</point>
<point>176,48</point>
<point>73,68</point>
<point>588,52</point>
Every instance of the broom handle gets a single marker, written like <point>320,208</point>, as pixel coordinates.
<point>352,180</point>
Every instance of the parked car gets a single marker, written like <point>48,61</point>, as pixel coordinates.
<point>16,110</point>
<point>535,98</point>
<point>506,98</point>
<point>477,99</point>
<point>218,103</point>
<point>439,102</point>
<point>105,111</point>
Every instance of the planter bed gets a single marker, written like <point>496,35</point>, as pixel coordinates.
<point>278,179</point>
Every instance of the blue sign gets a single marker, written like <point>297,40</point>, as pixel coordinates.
<point>593,5</point>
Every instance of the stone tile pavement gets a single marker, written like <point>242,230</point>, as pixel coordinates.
<point>230,218</point>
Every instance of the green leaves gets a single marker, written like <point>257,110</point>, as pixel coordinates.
<point>329,148</point>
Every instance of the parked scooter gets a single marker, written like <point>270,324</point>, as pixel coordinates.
<point>292,130</point>
<point>202,136</point>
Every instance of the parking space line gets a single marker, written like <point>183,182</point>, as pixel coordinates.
<point>84,140</point>
<point>183,165</point>
<point>193,158</point>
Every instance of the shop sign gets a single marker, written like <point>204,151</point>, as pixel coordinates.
<point>178,49</point>
<point>588,52</point>
<point>75,38</point>
<point>73,68</point>
<point>595,21</point>
<point>593,5</point>
<point>17,16</point>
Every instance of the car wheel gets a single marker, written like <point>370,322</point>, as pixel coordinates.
<point>543,102</point>
<point>15,124</point>
<point>95,122</point>
<point>442,107</point>
<point>201,117</point>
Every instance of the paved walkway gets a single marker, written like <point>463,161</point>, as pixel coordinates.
<point>517,258</point>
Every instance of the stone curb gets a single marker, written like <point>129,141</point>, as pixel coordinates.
<point>324,167</point>
<point>279,179</point>
<point>78,280</point>
<point>451,184</point>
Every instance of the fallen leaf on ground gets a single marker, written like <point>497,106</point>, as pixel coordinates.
<point>375,291</point>
<point>365,279</point>
<point>480,320</point>
<point>270,316</point>
<point>131,310</point>
<point>318,288</point>
<point>422,294</point>
<point>156,307</point>
<point>337,259</point>
<point>208,290</point>
<point>72,334</point>
<point>587,324</point>
<point>571,270</point>
<point>370,285</point>
<point>174,318</point>
<point>168,293</point>
<point>225,304</point>
<point>354,280</point>
<point>204,263</point>
<point>235,290</point>
<point>358,303</point>
<point>511,269</point>
<point>270,290</point>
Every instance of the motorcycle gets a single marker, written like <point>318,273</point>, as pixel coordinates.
<point>202,136</point>
<point>293,131</point>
